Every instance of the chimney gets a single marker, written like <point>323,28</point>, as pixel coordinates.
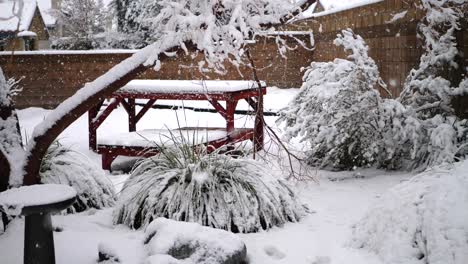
<point>56,4</point>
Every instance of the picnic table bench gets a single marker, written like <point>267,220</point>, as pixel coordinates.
<point>145,143</point>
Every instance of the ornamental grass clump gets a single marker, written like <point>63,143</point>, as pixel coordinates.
<point>214,190</point>
<point>61,165</point>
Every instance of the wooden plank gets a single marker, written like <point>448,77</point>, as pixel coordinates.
<point>145,109</point>
<point>219,108</point>
<point>102,117</point>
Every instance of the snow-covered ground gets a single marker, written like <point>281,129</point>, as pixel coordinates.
<point>322,237</point>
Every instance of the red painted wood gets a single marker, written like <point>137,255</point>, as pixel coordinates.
<point>131,115</point>
<point>110,152</point>
<point>219,108</point>
<point>92,113</point>
<point>191,96</point>
<point>127,99</point>
<point>145,109</point>
<point>230,109</point>
<point>102,117</point>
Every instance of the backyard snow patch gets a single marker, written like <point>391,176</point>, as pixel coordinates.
<point>172,242</point>
<point>423,220</point>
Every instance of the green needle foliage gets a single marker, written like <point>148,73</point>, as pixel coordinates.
<point>216,190</point>
<point>62,165</point>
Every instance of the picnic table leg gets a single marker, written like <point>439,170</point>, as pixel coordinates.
<point>131,115</point>
<point>106,159</point>
<point>230,109</point>
<point>92,113</point>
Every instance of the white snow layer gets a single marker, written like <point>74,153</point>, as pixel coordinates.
<point>335,6</point>
<point>10,11</point>
<point>188,86</point>
<point>162,137</point>
<point>12,201</point>
<point>211,245</point>
<point>423,220</point>
<point>45,6</point>
<point>397,17</point>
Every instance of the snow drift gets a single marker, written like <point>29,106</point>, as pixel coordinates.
<point>173,242</point>
<point>424,220</point>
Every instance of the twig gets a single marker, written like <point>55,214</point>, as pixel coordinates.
<point>259,118</point>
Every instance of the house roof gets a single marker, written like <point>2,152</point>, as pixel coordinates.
<point>45,6</point>
<point>9,22</point>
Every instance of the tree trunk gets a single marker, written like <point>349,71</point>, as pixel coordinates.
<point>7,112</point>
<point>42,142</point>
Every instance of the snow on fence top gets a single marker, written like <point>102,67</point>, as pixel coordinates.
<point>14,200</point>
<point>180,87</point>
<point>69,52</point>
<point>335,6</point>
<point>8,19</point>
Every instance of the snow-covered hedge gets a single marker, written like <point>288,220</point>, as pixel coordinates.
<point>215,190</point>
<point>423,220</point>
<point>172,242</point>
<point>62,165</point>
<point>344,122</point>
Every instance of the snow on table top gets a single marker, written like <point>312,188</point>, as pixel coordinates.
<point>12,201</point>
<point>9,22</point>
<point>187,86</point>
<point>162,137</point>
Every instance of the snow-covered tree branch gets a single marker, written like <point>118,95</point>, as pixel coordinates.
<point>83,20</point>
<point>346,123</point>
<point>218,28</point>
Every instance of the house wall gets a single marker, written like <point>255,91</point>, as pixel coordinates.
<point>37,26</point>
<point>50,78</point>
<point>14,44</point>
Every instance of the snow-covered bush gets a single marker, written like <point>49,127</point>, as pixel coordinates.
<point>11,148</point>
<point>427,89</point>
<point>168,241</point>
<point>423,220</point>
<point>62,165</point>
<point>131,16</point>
<point>431,87</point>
<point>214,190</point>
<point>336,111</point>
<point>345,123</point>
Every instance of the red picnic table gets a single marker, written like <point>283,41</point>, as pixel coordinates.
<point>147,143</point>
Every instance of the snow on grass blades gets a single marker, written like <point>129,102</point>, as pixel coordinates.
<point>214,190</point>
<point>423,220</point>
<point>62,165</point>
